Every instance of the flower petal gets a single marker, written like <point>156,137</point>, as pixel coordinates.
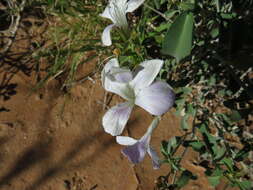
<point>121,74</point>
<point>106,35</point>
<point>136,152</point>
<point>119,88</point>
<point>116,73</point>
<point>114,79</point>
<point>120,3</point>
<point>107,14</point>
<point>155,158</point>
<point>147,75</point>
<point>122,140</point>
<point>116,118</point>
<point>108,66</point>
<point>133,5</point>
<point>157,98</point>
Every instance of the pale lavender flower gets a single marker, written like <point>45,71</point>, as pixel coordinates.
<point>116,11</point>
<point>137,149</point>
<point>138,88</point>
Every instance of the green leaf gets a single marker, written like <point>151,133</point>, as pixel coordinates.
<point>170,13</point>
<point>221,151</point>
<point>184,123</point>
<point>245,184</point>
<point>214,176</point>
<point>157,4</point>
<point>185,177</point>
<point>186,90</point>
<point>210,140</point>
<point>212,80</point>
<point>163,26</point>
<point>178,39</point>
<point>187,6</point>
<point>215,32</point>
<point>228,162</point>
<point>164,149</point>
<point>228,15</point>
<point>173,143</point>
<point>243,153</point>
<point>191,110</point>
<point>217,3</point>
<point>169,146</point>
<point>235,116</point>
<point>197,145</point>
<point>214,180</point>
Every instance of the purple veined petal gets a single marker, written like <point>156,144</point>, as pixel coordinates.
<point>106,35</point>
<point>115,118</point>
<point>121,74</point>
<point>157,98</point>
<point>108,66</point>
<point>136,152</point>
<point>127,141</point>
<point>110,84</point>
<point>132,5</point>
<point>146,75</point>
<point>154,157</point>
<point>116,73</point>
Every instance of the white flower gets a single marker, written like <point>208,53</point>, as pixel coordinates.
<point>137,149</point>
<point>116,11</point>
<point>137,88</point>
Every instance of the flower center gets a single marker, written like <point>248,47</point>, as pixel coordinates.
<point>130,94</point>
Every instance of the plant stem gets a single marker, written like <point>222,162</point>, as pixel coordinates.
<point>186,149</point>
<point>158,12</point>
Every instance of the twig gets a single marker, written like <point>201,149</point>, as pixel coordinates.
<point>105,98</point>
<point>14,24</point>
<point>158,12</point>
<point>104,105</point>
<point>87,77</point>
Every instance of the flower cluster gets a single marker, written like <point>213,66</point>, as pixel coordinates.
<point>138,87</point>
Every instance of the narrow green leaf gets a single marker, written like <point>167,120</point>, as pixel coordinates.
<point>170,13</point>
<point>246,185</point>
<point>172,144</point>
<point>243,153</point>
<point>215,32</point>
<point>214,180</point>
<point>185,177</point>
<point>221,151</point>
<point>184,123</point>
<point>210,140</point>
<point>178,39</point>
<point>187,6</point>
<point>164,148</point>
<point>197,145</point>
<point>191,110</point>
<point>228,162</point>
